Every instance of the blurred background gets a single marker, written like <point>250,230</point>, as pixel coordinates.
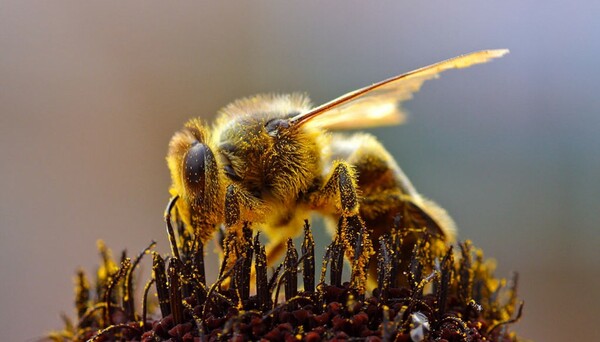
<point>90,95</point>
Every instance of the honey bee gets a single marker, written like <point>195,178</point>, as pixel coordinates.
<point>274,159</point>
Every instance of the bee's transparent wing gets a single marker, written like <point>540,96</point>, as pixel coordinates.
<point>379,104</point>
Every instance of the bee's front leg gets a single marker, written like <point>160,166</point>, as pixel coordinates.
<point>240,207</point>
<point>232,207</point>
<point>339,196</point>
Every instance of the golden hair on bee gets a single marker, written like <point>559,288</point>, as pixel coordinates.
<point>274,159</point>
<point>251,139</point>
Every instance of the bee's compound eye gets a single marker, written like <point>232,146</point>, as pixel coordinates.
<point>273,126</point>
<point>195,167</point>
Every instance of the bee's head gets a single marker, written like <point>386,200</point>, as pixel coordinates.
<point>196,176</point>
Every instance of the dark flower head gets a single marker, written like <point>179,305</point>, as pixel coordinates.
<point>438,292</point>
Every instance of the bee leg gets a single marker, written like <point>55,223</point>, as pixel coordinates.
<point>340,182</point>
<point>388,198</point>
<point>232,207</point>
<point>231,235</point>
<point>352,230</point>
<point>240,207</point>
